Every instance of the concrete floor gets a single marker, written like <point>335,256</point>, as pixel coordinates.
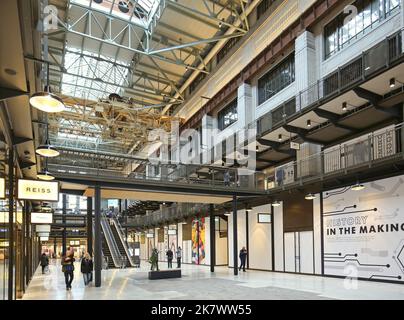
<point>198,283</point>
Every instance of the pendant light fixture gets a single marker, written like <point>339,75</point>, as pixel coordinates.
<point>46,101</point>
<point>357,187</point>
<point>45,174</point>
<point>47,150</point>
<point>310,196</point>
<point>276,203</point>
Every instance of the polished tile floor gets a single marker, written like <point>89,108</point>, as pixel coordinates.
<point>198,283</point>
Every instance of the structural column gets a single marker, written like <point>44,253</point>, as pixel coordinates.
<point>97,231</point>
<point>212,238</point>
<point>11,223</point>
<point>247,238</point>
<point>90,225</point>
<point>64,212</point>
<point>235,240</point>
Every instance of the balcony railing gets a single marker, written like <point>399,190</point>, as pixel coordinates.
<point>363,153</point>
<point>374,149</point>
<point>379,57</point>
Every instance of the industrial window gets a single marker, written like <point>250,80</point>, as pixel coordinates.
<point>340,32</point>
<point>228,115</point>
<point>263,7</point>
<point>199,78</point>
<point>276,79</point>
<point>226,49</point>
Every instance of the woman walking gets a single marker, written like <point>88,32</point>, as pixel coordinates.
<point>68,269</point>
<point>87,268</point>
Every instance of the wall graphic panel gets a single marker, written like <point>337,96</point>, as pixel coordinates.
<point>198,241</point>
<point>364,231</point>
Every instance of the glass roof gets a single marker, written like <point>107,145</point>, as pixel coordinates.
<point>84,72</point>
<point>137,11</point>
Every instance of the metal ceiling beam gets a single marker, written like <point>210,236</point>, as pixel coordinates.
<point>334,119</point>
<point>302,133</point>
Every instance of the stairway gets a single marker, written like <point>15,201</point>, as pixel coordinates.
<point>120,245</point>
<point>107,253</point>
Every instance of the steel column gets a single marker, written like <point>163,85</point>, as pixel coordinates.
<point>247,239</point>
<point>90,225</point>
<point>235,248</point>
<point>97,231</point>
<point>10,222</point>
<point>64,211</point>
<point>273,237</point>
<point>212,238</point>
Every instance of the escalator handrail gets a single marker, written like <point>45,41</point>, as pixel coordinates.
<point>116,256</point>
<point>118,228</point>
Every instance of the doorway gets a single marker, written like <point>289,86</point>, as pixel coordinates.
<point>299,252</point>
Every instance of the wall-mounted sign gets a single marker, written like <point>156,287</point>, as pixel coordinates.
<point>150,235</point>
<point>41,218</point>
<point>38,190</point>
<point>4,244</point>
<point>2,188</point>
<point>44,238</point>
<point>43,228</point>
<point>172,232</point>
<point>294,146</point>
<point>264,218</point>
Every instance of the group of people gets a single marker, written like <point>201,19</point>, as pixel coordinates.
<point>86,268</point>
<point>170,257</point>
<point>67,262</point>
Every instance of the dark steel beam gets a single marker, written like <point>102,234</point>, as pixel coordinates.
<point>97,229</point>
<point>90,225</point>
<point>302,133</point>
<point>64,210</point>
<point>235,240</point>
<point>212,248</point>
<point>334,119</point>
<point>11,262</point>
<point>7,93</point>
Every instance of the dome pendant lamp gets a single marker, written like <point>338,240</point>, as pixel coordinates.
<point>46,101</point>
<point>45,174</point>
<point>47,150</point>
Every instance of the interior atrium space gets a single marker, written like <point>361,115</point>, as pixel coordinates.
<point>216,153</point>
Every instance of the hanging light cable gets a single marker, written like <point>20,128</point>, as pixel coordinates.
<point>47,150</point>
<point>45,175</point>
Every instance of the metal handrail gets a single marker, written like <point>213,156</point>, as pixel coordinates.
<point>116,256</point>
<point>119,229</point>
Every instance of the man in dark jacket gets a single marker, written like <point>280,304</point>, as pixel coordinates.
<point>170,256</point>
<point>243,258</point>
<point>87,268</point>
<point>44,262</point>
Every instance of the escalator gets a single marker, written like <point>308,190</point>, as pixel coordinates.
<point>110,248</point>
<point>107,253</point>
<point>119,239</point>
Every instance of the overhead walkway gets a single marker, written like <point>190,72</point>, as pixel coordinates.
<point>171,178</point>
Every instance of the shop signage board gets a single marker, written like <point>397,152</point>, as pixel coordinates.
<point>264,218</point>
<point>43,228</point>
<point>38,190</point>
<point>172,232</point>
<point>41,217</point>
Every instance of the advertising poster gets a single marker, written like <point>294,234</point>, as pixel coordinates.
<point>364,231</point>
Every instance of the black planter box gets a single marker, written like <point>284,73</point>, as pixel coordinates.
<point>164,274</point>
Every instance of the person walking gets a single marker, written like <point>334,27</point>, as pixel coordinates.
<point>68,269</point>
<point>170,256</point>
<point>179,257</point>
<point>86,269</point>
<point>226,178</point>
<point>44,262</point>
<point>243,258</point>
